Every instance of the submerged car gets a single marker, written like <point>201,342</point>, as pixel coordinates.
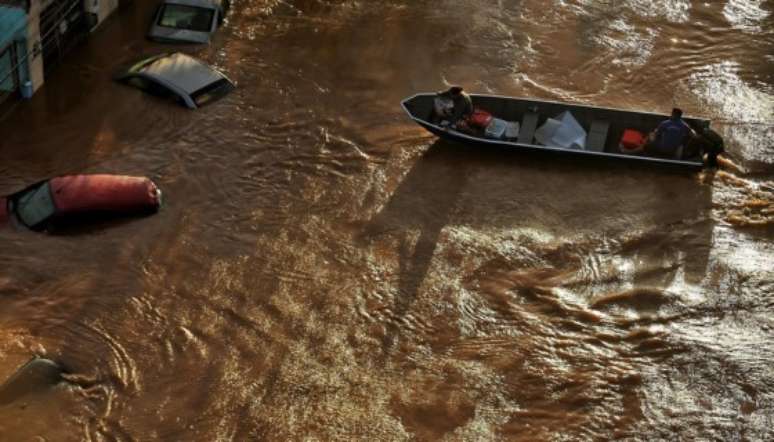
<point>182,77</point>
<point>187,21</point>
<point>42,204</point>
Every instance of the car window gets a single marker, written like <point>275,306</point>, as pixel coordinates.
<point>212,92</point>
<point>186,17</point>
<point>34,206</point>
<point>139,83</point>
<point>154,88</point>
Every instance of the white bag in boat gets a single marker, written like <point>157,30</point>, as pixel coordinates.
<point>562,131</point>
<point>496,128</point>
<point>512,130</point>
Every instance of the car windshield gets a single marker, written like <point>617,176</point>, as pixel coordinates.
<point>212,92</point>
<point>34,206</point>
<point>150,87</point>
<point>153,88</point>
<point>186,17</point>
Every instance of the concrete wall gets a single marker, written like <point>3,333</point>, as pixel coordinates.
<point>34,60</point>
<point>13,22</point>
<point>13,31</point>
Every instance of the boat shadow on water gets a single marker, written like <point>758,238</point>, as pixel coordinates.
<point>664,217</point>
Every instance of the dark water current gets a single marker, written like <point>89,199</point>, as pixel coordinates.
<point>325,270</point>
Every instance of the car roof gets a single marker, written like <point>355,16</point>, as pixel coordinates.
<point>182,71</point>
<point>78,193</point>
<point>199,3</point>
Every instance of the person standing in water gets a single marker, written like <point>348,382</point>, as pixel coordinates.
<point>708,142</point>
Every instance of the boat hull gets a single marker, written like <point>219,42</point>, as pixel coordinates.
<point>627,119</point>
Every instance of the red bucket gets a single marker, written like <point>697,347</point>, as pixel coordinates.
<point>632,139</point>
<point>480,118</point>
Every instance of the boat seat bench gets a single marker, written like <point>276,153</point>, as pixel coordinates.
<point>528,127</point>
<point>597,135</point>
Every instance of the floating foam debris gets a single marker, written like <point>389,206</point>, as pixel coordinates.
<point>746,15</point>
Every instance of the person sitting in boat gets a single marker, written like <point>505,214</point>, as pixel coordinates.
<point>669,136</point>
<point>461,107</point>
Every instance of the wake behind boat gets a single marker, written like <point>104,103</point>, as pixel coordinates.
<point>537,125</point>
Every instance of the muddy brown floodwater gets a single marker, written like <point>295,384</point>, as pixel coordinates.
<point>326,270</point>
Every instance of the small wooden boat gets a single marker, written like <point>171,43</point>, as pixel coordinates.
<point>604,127</point>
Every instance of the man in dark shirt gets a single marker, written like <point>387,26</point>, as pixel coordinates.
<point>669,136</point>
<point>708,142</point>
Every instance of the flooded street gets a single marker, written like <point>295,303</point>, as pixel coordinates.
<point>325,269</point>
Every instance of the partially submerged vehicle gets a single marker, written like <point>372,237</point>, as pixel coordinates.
<point>189,81</point>
<point>562,128</point>
<point>187,21</point>
<point>54,200</point>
